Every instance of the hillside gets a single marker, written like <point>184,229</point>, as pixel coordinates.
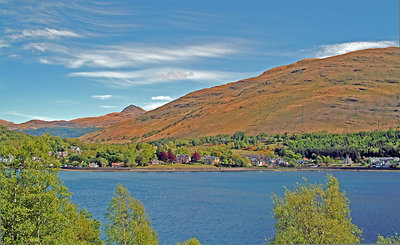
<point>76,127</point>
<point>357,91</point>
<point>6,124</point>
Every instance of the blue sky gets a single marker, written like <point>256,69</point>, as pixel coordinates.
<point>71,59</point>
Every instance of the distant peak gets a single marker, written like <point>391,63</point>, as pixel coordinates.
<point>133,109</point>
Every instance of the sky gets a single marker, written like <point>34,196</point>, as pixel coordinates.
<point>61,60</point>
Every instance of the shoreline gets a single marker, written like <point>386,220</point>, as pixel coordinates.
<point>189,169</point>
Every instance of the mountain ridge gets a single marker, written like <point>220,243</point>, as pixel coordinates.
<point>357,91</point>
<point>91,123</point>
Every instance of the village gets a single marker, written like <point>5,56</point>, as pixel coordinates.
<point>252,160</point>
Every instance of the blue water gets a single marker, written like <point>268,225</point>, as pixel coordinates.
<point>233,207</point>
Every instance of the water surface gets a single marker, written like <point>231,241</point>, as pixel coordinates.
<point>233,207</point>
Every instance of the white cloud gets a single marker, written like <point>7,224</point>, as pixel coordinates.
<point>48,47</point>
<point>47,33</point>
<point>161,97</point>
<point>342,48</point>
<point>58,13</point>
<point>30,117</point>
<point>151,76</point>
<point>102,97</point>
<point>3,44</point>
<point>108,106</point>
<point>153,105</point>
<point>132,55</point>
<point>44,61</point>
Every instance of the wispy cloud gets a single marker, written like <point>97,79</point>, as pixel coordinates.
<point>161,97</point>
<point>47,47</point>
<point>102,97</point>
<point>151,76</point>
<point>47,33</point>
<point>78,14</point>
<point>342,48</point>
<point>29,116</point>
<point>132,55</point>
<point>153,105</point>
<point>3,44</point>
<point>160,101</point>
<point>108,106</point>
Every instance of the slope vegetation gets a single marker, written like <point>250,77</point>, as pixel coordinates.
<point>357,91</point>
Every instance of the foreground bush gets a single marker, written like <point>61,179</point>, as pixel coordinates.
<point>192,241</point>
<point>312,214</point>
<point>389,239</point>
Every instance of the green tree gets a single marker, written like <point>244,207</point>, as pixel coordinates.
<point>312,214</point>
<point>102,162</point>
<point>389,239</point>
<point>35,205</point>
<point>191,241</point>
<point>128,222</point>
<point>82,229</point>
<point>182,150</point>
<point>240,160</point>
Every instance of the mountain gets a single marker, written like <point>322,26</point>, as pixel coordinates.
<point>76,127</point>
<point>6,123</point>
<point>133,110</point>
<point>357,91</point>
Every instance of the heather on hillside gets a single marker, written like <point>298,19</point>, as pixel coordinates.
<point>353,92</point>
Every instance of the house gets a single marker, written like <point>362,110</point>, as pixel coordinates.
<point>256,160</point>
<point>211,160</point>
<point>182,158</point>
<point>383,162</point>
<point>75,149</point>
<point>259,163</point>
<point>117,164</point>
<point>93,165</point>
<point>302,161</point>
<point>155,161</point>
<point>58,154</point>
<point>278,162</point>
<point>281,162</point>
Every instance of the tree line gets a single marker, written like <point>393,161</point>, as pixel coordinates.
<point>320,147</point>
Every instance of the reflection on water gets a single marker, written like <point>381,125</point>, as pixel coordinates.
<point>230,207</point>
